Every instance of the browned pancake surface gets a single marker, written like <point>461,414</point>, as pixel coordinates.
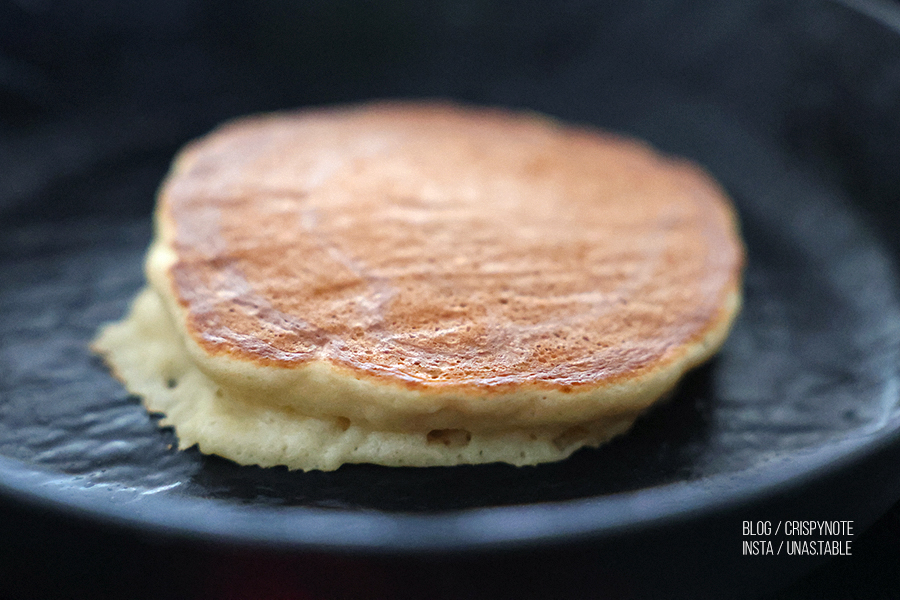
<point>438,246</point>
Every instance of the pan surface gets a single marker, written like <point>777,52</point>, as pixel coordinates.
<point>808,374</point>
<point>805,392</point>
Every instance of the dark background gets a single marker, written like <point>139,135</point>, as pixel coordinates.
<point>96,97</point>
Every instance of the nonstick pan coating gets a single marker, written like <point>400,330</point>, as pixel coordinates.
<point>791,107</point>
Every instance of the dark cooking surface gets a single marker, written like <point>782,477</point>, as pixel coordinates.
<point>791,105</point>
<point>812,358</point>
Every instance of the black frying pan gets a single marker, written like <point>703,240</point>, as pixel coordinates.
<point>794,107</point>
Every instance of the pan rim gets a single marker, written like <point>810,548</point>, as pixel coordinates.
<point>482,529</point>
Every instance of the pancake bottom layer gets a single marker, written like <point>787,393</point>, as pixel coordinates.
<point>148,354</point>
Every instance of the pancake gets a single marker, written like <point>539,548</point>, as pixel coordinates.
<point>422,284</point>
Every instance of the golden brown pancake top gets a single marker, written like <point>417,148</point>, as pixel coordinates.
<point>439,246</point>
